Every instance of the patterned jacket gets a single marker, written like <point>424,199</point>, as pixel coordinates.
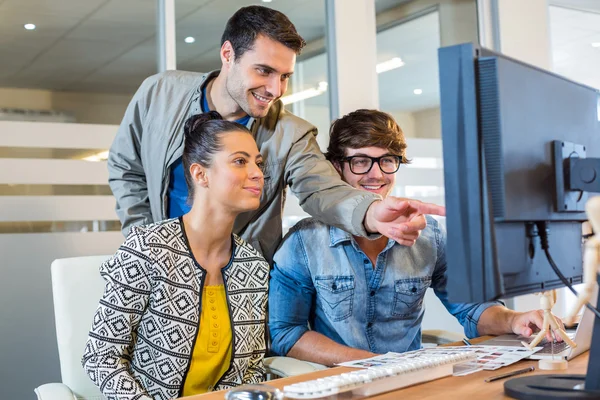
<point>146,324</point>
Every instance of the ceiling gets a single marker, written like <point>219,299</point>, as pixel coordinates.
<point>583,5</point>
<point>572,34</point>
<point>110,45</point>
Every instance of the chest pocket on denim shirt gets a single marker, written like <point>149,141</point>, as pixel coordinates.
<point>409,294</point>
<point>335,294</point>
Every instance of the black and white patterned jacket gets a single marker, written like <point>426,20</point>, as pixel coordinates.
<point>146,324</point>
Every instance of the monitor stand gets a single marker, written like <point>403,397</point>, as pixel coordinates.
<point>553,387</point>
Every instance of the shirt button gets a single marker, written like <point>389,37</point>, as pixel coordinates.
<point>414,289</point>
<point>334,286</point>
<point>215,334</point>
<point>372,293</point>
<point>366,261</point>
<point>215,326</point>
<point>213,308</point>
<point>215,316</point>
<point>214,343</point>
<point>370,324</point>
<point>212,300</point>
<point>210,388</point>
<point>210,292</point>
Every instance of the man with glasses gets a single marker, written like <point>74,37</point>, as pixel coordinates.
<point>364,297</point>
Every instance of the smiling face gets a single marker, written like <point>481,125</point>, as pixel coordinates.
<point>234,179</point>
<point>375,181</point>
<point>260,76</point>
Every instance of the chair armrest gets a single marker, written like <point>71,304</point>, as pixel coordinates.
<point>288,366</point>
<point>54,391</point>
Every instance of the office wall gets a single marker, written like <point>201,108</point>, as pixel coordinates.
<point>89,108</point>
<point>458,18</point>
<point>41,220</point>
<point>428,123</point>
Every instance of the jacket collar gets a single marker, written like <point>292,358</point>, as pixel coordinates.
<point>337,236</point>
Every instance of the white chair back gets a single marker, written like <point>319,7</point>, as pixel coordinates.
<point>76,289</point>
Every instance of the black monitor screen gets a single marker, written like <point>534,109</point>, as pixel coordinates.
<point>508,132</point>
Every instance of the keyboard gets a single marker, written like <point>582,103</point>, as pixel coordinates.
<point>558,347</point>
<point>380,379</point>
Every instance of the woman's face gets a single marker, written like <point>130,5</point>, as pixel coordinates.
<point>235,178</point>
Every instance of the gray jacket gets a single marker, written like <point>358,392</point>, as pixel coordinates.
<point>150,140</point>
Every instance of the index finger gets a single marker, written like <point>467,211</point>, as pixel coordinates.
<point>429,208</point>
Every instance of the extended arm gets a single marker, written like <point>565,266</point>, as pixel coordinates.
<point>318,348</point>
<point>291,299</point>
<point>325,196</point>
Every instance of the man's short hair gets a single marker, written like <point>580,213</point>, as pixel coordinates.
<point>248,23</point>
<point>365,128</point>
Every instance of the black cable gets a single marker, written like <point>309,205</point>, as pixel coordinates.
<point>567,284</point>
<point>543,231</point>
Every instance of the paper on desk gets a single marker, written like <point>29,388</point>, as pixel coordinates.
<point>494,357</point>
<point>397,358</point>
<point>488,357</point>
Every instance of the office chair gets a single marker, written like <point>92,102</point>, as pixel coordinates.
<point>76,289</point>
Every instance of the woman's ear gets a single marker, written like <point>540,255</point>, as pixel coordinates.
<point>199,175</point>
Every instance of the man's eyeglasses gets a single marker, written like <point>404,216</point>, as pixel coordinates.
<point>361,165</point>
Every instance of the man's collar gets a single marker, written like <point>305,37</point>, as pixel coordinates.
<point>337,236</point>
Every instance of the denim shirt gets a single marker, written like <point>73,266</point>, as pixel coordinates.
<point>321,277</point>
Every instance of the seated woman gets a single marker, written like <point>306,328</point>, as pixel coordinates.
<point>184,307</point>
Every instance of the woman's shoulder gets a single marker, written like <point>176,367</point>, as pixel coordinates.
<point>166,226</point>
<point>245,252</point>
<point>167,232</point>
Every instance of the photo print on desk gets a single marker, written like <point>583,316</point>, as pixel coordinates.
<point>488,357</point>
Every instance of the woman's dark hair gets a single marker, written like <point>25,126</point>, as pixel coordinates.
<point>247,23</point>
<point>202,140</point>
<point>365,128</point>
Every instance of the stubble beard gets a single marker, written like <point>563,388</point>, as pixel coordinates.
<point>239,96</point>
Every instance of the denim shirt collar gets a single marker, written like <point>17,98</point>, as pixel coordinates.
<point>337,236</point>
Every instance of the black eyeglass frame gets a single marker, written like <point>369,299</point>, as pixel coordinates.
<point>373,161</point>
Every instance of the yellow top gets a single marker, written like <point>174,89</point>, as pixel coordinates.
<point>211,354</point>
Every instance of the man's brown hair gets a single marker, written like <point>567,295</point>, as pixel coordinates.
<point>248,23</point>
<point>365,128</point>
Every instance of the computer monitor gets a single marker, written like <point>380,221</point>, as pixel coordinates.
<point>521,152</point>
<point>501,120</point>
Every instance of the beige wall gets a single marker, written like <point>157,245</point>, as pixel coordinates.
<point>428,123</point>
<point>92,108</point>
<point>406,121</point>
<point>458,18</point>
<point>425,124</point>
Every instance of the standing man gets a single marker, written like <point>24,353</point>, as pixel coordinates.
<point>258,53</point>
